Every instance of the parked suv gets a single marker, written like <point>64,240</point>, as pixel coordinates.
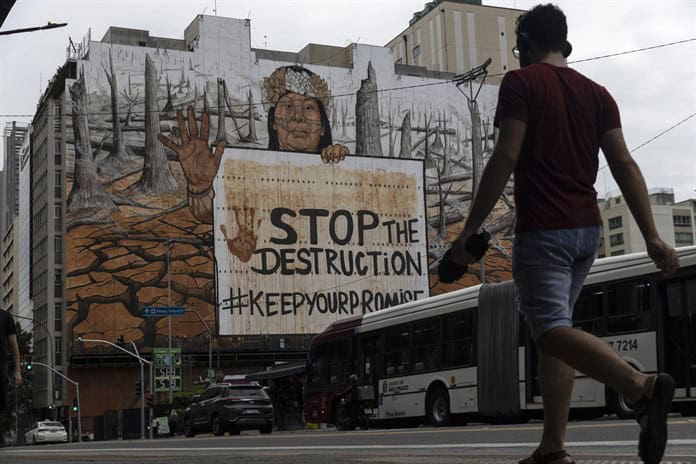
<point>230,407</point>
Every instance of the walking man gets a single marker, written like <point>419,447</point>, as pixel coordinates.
<point>552,122</point>
<point>8,336</point>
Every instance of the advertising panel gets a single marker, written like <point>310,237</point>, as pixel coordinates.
<point>300,243</point>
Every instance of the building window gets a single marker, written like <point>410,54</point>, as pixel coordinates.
<point>59,317</point>
<point>58,245</point>
<point>617,253</point>
<point>615,222</point>
<point>58,217</point>
<point>682,221</point>
<point>684,238</point>
<point>617,200</point>
<point>58,185</point>
<point>616,239</point>
<point>59,350</point>
<point>416,52</point>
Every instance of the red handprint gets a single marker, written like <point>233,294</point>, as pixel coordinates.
<point>244,244</point>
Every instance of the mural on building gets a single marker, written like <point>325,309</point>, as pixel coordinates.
<point>149,131</point>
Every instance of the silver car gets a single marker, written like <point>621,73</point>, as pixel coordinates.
<point>46,432</point>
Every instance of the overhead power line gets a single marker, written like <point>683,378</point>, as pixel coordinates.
<point>383,90</point>
<point>658,135</point>
<point>32,29</point>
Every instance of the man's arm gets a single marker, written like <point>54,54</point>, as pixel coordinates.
<point>14,348</point>
<point>632,184</point>
<point>493,181</point>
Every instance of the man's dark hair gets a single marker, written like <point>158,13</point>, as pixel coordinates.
<point>545,26</point>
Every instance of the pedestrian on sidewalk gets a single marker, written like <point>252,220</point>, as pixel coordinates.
<point>173,419</point>
<point>552,121</point>
<point>155,427</point>
<point>8,337</point>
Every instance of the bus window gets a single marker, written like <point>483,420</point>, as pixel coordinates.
<point>589,310</point>
<point>629,307</point>
<point>458,347</point>
<point>425,341</point>
<point>396,350</point>
<point>691,302</point>
<point>339,361</point>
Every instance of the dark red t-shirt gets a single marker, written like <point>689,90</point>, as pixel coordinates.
<point>566,114</point>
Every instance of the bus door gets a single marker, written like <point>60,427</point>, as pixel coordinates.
<point>369,349</point>
<point>679,341</point>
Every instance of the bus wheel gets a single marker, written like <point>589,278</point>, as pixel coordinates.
<point>619,405</point>
<point>439,407</point>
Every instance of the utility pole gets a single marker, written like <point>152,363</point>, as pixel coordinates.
<point>77,394</point>
<point>210,343</point>
<point>477,74</point>
<point>138,357</point>
<point>142,392</point>
<point>169,323</point>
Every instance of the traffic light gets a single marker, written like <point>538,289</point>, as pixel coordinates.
<point>74,405</point>
<point>137,388</point>
<point>28,363</point>
<point>150,401</point>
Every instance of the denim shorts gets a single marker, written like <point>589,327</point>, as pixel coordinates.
<point>549,268</point>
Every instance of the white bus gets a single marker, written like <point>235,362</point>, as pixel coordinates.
<point>468,354</point>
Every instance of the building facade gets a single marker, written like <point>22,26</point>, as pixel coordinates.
<point>46,169</point>
<point>23,267</point>
<point>621,235</point>
<point>113,237</point>
<point>456,36</point>
<point>14,137</point>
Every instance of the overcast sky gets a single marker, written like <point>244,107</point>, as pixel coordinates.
<point>655,89</point>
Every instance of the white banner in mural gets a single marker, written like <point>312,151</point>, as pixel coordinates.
<point>300,243</point>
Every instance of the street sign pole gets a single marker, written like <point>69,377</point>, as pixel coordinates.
<point>152,392</point>
<point>169,323</point>
<point>79,413</point>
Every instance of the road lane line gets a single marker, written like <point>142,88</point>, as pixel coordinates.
<point>208,449</point>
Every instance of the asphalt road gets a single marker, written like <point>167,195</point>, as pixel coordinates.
<point>595,442</point>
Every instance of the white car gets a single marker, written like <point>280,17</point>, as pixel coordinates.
<point>46,432</point>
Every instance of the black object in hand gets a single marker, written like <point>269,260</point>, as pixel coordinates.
<point>476,245</point>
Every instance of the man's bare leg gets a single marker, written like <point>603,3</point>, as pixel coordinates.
<point>556,379</point>
<point>595,358</point>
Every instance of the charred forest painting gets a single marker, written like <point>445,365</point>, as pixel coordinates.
<point>147,131</point>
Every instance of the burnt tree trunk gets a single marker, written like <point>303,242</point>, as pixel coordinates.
<point>252,122</point>
<point>344,120</point>
<point>334,119</point>
<point>367,127</point>
<point>476,149</point>
<point>206,106</point>
<point>221,134</point>
<point>476,163</point>
<point>169,107</point>
<point>157,177</point>
<point>119,158</point>
<point>87,192</point>
<point>392,138</point>
<point>405,149</point>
